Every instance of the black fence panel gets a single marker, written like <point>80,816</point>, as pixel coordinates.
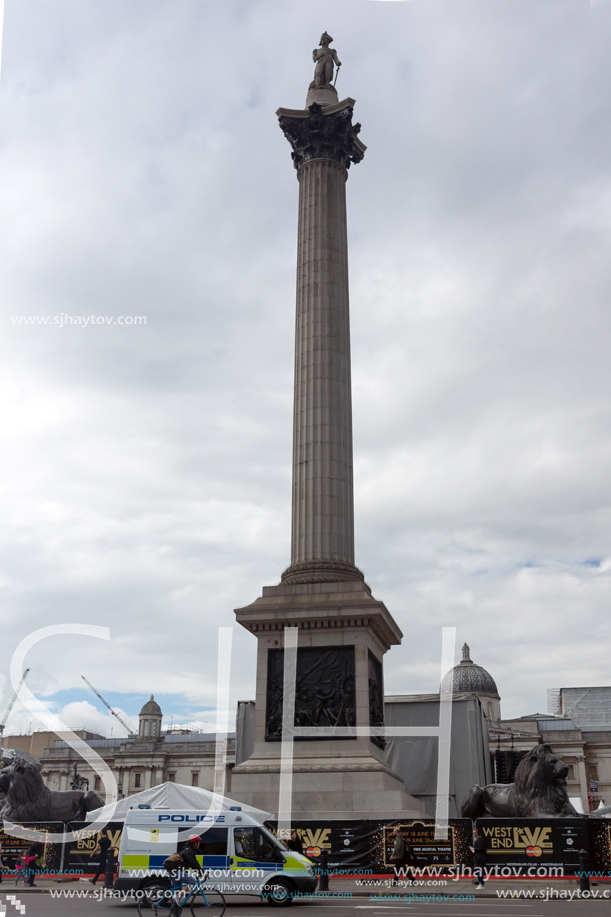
<point>534,847</point>
<point>366,845</point>
<point>15,847</point>
<point>599,833</point>
<point>78,859</point>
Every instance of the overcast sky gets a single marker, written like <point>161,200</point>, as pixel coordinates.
<point>145,469</point>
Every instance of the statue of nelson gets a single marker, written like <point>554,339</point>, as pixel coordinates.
<point>324,58</point>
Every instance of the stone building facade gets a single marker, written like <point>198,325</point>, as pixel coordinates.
<point>138,762</point>
<point>579,732</point>
<point>35,743</point>
<point>584,752</point>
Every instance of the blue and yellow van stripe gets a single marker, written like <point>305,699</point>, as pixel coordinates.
<point>146,861</point>
<point>292,864</point>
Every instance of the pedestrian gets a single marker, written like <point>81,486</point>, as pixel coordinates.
<point>479,858</point>
<point>19,870</point>
<point>33,853</point>
<point>410,860</point>
<point>401,857</point>
<point>101,848</point>
<point>294,842</point>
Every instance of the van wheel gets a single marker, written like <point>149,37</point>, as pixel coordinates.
<point>278,892</point>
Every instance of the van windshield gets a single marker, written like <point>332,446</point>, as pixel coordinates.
<point>255,843</point>
<point>276,840</point>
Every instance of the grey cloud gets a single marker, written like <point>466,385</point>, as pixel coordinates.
<point>146,478</point>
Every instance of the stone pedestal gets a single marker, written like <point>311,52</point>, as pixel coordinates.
<point>324,95</point>
<point>343,631</point>
<point>333,778</point>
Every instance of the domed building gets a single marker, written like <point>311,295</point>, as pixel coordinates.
<point>467,677</point>
<point>149,721</point>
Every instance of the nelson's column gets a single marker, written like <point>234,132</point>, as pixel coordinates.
<point>343,631</point>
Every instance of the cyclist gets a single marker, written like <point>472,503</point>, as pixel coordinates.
<point>180,878</point>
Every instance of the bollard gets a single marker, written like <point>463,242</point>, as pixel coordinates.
<point>109,876</point>
<point>323,876</point>
<point>584,879</point>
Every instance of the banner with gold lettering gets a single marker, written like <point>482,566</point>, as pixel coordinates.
<point>534,841</point>
<point>78,859</point>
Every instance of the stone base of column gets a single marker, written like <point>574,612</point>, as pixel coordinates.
<point>327,791</point>
<point>324,95</point>
<point>339,624</point>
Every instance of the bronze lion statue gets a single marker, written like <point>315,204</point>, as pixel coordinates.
<point>539,791</point>
<point>25,798</point>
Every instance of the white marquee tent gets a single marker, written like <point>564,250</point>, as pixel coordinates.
<point>174,796</point>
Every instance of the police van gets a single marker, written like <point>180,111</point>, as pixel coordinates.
<point>240,854</point>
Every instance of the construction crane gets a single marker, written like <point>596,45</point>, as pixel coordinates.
<point>124,723</point>
<point>11,703</point>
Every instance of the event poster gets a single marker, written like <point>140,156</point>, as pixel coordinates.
<point>367,844</point>
<point>15,847</point>
<point>552,842</point>
<point>78,853</point>
<point>426,849</point>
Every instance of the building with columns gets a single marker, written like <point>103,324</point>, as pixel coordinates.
<point>180,755</point>
<point>511,739</point>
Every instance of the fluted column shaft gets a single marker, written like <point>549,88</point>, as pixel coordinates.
<point>322,544</point>
<point>323,502</point>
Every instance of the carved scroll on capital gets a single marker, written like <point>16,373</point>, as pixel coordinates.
<point>323,136</point>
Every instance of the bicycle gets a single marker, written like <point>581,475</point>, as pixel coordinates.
<point>161,900</point>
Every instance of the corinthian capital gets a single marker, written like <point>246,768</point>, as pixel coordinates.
<point>322,133</point>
